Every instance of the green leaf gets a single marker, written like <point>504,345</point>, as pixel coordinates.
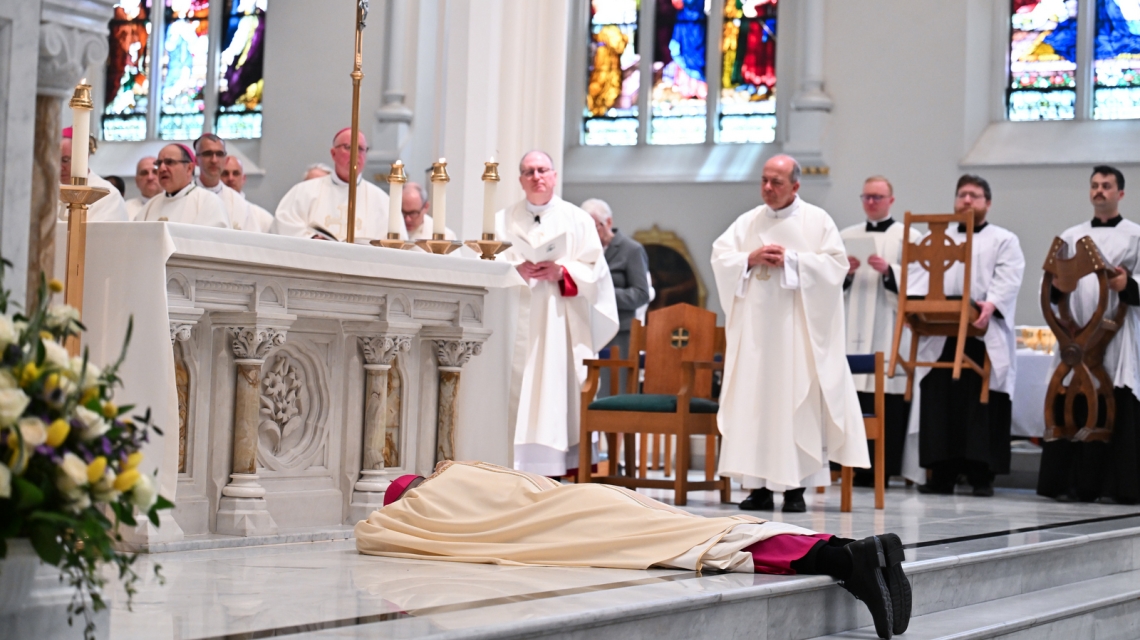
<point>124,513</point>
<point>46,543</point>
<point>29,494</point>
<point>162,503</point>
<point>153,516</point>
<point>51,516</point>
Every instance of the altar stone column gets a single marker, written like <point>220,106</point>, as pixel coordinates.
<point>381,446</point>
<point>243,510</point>
<point>451,356</point>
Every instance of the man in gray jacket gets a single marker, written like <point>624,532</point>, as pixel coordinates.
<point>629,268</point>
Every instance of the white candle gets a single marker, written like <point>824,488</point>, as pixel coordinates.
<point>80,136</point>
<point>439,204</point>
<point>396,200</point>
<point>490,186</point>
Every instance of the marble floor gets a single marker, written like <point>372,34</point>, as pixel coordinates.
<point>327,590</point>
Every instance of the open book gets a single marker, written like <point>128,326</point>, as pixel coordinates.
<point>548,251</point>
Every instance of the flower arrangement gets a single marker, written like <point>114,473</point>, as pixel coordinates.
<point>69,457</point>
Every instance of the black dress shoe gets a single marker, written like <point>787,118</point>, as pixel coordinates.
<point>936,490</point>
<point>897,582</point>
<point>984,490</point>
<point>758,500</point>
<point>868,583</point>
<point>794,501</point>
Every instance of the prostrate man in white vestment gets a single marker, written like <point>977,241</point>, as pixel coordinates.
<point>146,179</point>
<point>957,434</point>
<point>320,205</point>
<point>416,219</point>
<point>109,208</point>
<point>871,295</point>
<point>569,314</point>
<point>182,200</point>
<point>1087,471</point>
<point>244,215</point>
<point>788,403</point>
<point>211,151</point>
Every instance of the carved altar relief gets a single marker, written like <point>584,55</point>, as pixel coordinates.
<point>293,416</point>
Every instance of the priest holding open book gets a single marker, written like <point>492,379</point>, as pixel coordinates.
<point>567,314</point>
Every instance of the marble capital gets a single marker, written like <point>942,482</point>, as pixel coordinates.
<point>453,354</point>
<point>253,343</point>
<point>382,349</point>
<point>67,49</point>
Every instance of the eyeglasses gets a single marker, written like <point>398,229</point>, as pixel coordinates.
<point>211,154</point>
<point>870,197</point>
<point>539,171</point>
<point>411,213</point>
<point>169,162</point>
<point>347,148</point>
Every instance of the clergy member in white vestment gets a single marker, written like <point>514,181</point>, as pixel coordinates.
<point>871,295</point>
<point>255,218</point>
<point>788,403</point>
<point>321,204</point>
<point>146,179</point>
<point>1087,471</point>
<point>244,215</point>
<point>416,219</point>
<point>957,434</point>
<point>182,200</point>
<point>569,314</point>
<point>109,208</point>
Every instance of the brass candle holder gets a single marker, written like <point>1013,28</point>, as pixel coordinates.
<point>393,241</point>
<point>488,247</point>
<point>438,244</point>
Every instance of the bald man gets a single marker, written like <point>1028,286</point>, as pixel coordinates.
<point>788,403</point>
<point>416,219</point>
<point>316,207</point>
<point>146,179</point>
<point>244,215</point>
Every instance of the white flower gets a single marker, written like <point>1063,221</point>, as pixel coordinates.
<point>60,316</point>
<point>94,424</point>
<point>56,355</point>
<point>7,380</point>
<point>34,432</point>
<point>104,490</point>
<point>90,377</point>
<point>144,494</point>
<point>12,405</point>
<point>73,475</point>
<point>8,333</point>
<point>78,503</point>
<point>5,481</point>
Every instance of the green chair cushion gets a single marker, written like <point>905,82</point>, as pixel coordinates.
<point>651,403</point>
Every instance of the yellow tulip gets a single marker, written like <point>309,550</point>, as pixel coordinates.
<point>57,432</point>
<point>133,461</point>
<point>46,335</point>
<point>55,285</point>
<point>127,479</point>
<point>51,383</point>
<point>89,395</point>
<point>13,439</point>
<point>29,374</point>
<point>95,469</point>
<point>110,410</point>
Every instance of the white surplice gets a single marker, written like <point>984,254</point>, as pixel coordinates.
<point>556,332</point>
<point>109,208</point>
<point>871,308</point>
<point>135,207</point>
<point>425,230</point>
<point>244,215</point>
<point>323,202</point>
<point>788,403</point>
<point>191,205</point>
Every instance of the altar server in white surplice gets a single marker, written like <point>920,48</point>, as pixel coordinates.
<point>182,200</point>
<point>244,215</point>
<point>109,208</point>
<point>146,179</point>
<point>871,294</point>
<point>1087,471</point>
<point>788,403</point>
<point>957,434</point>
<point>322,203</point>
<point>569,314</point>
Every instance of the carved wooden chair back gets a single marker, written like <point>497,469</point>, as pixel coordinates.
<point>674,334</point>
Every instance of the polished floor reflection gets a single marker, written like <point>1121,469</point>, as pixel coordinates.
<point>327,590</point>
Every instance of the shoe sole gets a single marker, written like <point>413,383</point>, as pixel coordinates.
<point>897,582</point>
<point>884,590</point>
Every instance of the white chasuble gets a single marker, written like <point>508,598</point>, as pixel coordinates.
<point>872,308</point>
<point>425,231</point>
<point>109,208</point>
<point>323,202</point>
<point>244,215</point>
<point>135,207</point>
<point>191,205</point>
<point>788,403</point>
<point>556,332</point>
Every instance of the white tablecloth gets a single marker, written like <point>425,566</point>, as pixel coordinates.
<point>1034,369</point>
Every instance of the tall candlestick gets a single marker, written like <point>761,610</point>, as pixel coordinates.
<point>81,107</point>
<point>439,180</point>
<point>396,180</point>
<point>490,186</point>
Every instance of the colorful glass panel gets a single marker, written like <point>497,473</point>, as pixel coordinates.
<point>748,72</point>
<point>612,75</point>
<point>1042,60</point>
<point>680,89</point>
<point>241,64</point>
<point>185,48</point>
<point>127,80</point>
<point>1116,89</point>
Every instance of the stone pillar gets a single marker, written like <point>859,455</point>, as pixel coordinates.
<point>451,356</point>
<point>393,119</point>
<point>811,106</point>
<point>381,442</point>
<point>180,332</point>
<point>243,510</point>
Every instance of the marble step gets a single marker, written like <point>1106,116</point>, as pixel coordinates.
<point>1098,609</point>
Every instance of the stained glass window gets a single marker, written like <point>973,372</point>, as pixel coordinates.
<point>185,47</point>
<point>1042,60</point>
<point>128,76</point>
<point>748,72</point>
<point>241,76</point>
<point>1116,92</point>
<point>680,89</point>
<point>613,78</point>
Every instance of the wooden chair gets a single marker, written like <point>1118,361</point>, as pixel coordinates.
<point>674,401</point>
<point>873,423</point>
<point>935,314</point>
<point>1081,347</point>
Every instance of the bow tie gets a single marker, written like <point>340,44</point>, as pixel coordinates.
<point>1097,222</point>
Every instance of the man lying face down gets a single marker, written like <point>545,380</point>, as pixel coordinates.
<point>483,513</point>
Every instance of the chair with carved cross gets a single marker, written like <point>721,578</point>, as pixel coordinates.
<point>937,314</point>
<point>674,400</point>
<point>1081,347</point>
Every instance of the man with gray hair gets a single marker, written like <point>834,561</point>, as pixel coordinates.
<point>788,403</point>
<point>629,269</point>
<point>211,151</point>
<point>414,207</point>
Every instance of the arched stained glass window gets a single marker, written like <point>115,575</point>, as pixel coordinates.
<point>126,86</point>
<point>613,78</point>
<point>680,86</point>
<point>748,72</point>
<point>241,75</point>
<point>185,51</point>
<point>1042,60</point>
<point>1116,92</point>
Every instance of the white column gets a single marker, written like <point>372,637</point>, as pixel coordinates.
<point>393,118</point>
<point>811,106</point>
